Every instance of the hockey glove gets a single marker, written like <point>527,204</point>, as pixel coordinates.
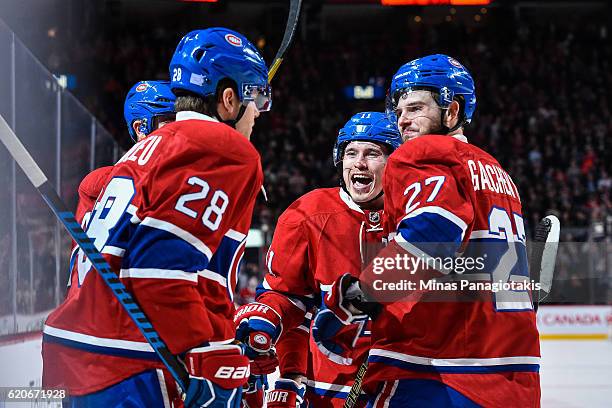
<point>348,302</point>
<point>343,306</point>
<point>258,326</point>
<point>253,395</point>
<point>217,375</point>
<point>325,333</point>
<point>286,394</point>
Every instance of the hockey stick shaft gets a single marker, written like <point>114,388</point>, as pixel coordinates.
<point>544,256</point>
<point>292,20</point>
<point>48,193</point>
<point>542,261</point>
<point>353,395</point>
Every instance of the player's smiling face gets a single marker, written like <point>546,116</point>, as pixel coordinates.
<point>418,114</point>
<point>363,164</point>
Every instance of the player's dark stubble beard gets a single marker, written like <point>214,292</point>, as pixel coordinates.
<point>441,128</point>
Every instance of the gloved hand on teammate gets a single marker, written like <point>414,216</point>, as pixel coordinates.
<point>287,393</point>
<point>217,375</point>
<point>326,333</point>
<point>258,327</point>
<point>343,305</point>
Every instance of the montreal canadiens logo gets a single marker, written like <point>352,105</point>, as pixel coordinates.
<point>142,87</point>
<point>232,39</point>
<point>454,62</point>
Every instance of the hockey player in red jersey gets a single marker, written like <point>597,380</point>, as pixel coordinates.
<point>324,233</point>
<point>448,345</point>
<point>149,105</point>
<point>172,221</point>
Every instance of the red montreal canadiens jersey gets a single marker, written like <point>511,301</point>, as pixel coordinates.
<point>172,222</point>
<point>447,197</point>
<point>319,237</point>
<point>89,190</point>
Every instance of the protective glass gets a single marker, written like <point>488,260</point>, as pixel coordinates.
<point>261,95</point>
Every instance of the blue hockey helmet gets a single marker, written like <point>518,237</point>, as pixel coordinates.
<point>439,73</point>
<point>205,57</point>
<point>146,101</point>
<point>367,127</point>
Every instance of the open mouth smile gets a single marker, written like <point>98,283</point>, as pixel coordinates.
<point>362,183</point>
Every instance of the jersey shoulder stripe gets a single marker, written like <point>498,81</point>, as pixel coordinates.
<point>162,249</point>
<point>179,232</point>
<point>154,273</point>
<point>430,227</point>
<point>442,213</point>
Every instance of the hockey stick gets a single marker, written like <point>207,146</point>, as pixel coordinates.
<point>292,20</point>
<point>542,266</point>
<point>544,256</point>
<point>353,395</point>
<point>48,193</point>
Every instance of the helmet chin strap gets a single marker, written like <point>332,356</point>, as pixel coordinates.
<point>372,199</point>
<point>443,129</point>
<point>232,122</point>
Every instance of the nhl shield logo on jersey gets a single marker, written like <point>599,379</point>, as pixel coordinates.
<point>374,217</point>
<point>232,39</point>
<point>142,87</point>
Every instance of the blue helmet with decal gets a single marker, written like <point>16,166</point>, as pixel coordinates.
<point>367,127</point>
<point>205,57</point>
<point>441,74</point>
<point>146,101</point>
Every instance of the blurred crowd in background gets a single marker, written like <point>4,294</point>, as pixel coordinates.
<point>543,105</point>
<point>542,110</point>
